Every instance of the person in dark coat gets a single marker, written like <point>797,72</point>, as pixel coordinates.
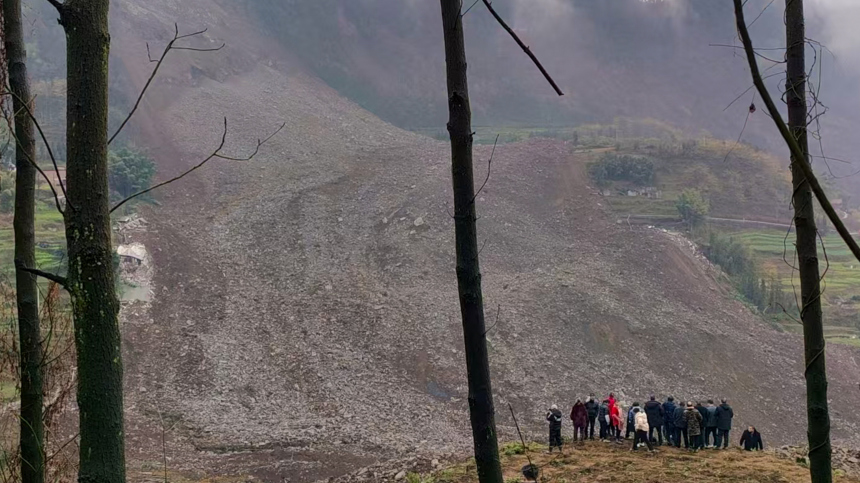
<point>751,440</point>
<point>631,420</point>
<point>693,417</point>
<point>554,417</point>
<point>710,425</point>
<point>603,419</point>
<point>592,407</point>
<point>579,416</point>
<point>724,423</point>
<point>669,420</point>
<point>704,412</point>
<point>654,411</point>
<point>681,426</point>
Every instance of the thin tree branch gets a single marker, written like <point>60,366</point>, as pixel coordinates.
<point>202,49</point>
<point>498,311</point>
<point>32,116</point>
<point>215,154</point>
<point>170,46</point>
<point>798,154</point>
<point>523,46</point>
<point>760,55</point>
<point>62,447</point>
<point>489,167</point>
<point>470,8</point>
<point>33,162</point>
<point>59,280</point>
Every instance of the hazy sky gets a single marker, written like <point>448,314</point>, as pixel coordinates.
<point>841,35</point>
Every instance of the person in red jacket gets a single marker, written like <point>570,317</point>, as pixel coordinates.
<point>579,416</point>
<point>616,421</point>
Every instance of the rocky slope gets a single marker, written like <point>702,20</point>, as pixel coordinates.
<point>305,322</point>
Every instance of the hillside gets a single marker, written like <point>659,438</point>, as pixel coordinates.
<point>304,319</point>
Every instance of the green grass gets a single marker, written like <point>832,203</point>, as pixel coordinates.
<point>8,391</point>
<point>845,340</point>
<point>50,235</point>
<point>841,282</point>
<point>842,278</point>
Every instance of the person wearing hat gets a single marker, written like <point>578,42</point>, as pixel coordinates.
<point>554,417</point>
<point>693,418</point>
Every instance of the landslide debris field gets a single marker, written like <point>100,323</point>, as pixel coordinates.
<point>304,320</point>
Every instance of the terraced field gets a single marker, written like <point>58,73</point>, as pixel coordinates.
<point>50,237</point>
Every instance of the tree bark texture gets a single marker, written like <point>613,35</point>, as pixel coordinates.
<point>818,418</point>
<point>481,410</point>
<point>27,292</point>
<point>91,283</point>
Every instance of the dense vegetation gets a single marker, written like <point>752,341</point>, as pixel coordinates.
<point>692,206</point>
<point>737,261</point>
<point>638,170</point>
<point>129,171</point>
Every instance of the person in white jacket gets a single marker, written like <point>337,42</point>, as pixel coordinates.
<point>641,423</point>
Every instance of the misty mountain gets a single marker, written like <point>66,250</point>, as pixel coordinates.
<point>672,60</point>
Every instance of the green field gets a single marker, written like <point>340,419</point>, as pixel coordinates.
<point>842,277</point>
<point>50,237</point>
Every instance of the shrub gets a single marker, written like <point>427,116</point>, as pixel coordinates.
<point>513,448</point>
<point>692,206</point>
<point>129,171</point>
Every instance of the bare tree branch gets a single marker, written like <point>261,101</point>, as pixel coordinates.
<point>59,280</point>
<point>215,154</point>
<point>170,46</point>
<point>470,8</point>
<point>523,46</point>
<point>794,147</point>
<point>39,169</point>
<point>32,116</point>
<point>489,167</point>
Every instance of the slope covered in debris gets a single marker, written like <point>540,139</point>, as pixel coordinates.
<point>304,320</point>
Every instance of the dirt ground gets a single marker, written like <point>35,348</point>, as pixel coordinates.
<point>608,462</point>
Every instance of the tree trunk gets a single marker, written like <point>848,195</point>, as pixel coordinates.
<point>27,292</point>
<point>481,409</point>
<point>88,235</point>
<point>818,419</point>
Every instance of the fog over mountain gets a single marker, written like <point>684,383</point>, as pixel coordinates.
<point>612,58</point>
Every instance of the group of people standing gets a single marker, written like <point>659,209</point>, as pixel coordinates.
<point>697,425</point>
